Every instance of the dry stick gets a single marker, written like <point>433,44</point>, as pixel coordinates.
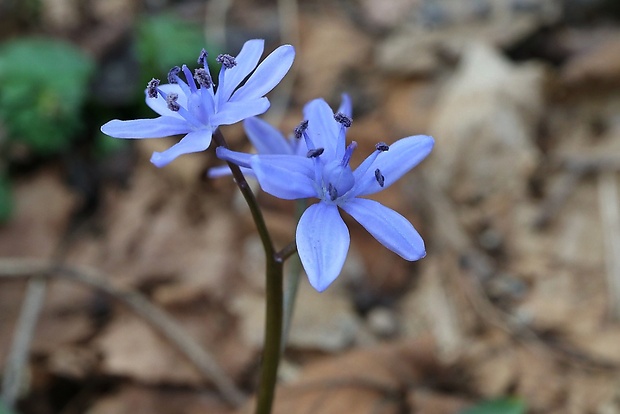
<point>20,347</point>
<point>154,315</point>
<point>576,166</point>
<point>609,206</point>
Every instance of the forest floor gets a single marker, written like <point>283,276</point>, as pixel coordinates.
<point>519,206</point>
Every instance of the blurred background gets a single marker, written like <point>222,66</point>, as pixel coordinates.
<point>515,309</point>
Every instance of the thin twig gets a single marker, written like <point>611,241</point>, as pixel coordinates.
<point>158,318</point>
<point>575,167</point>
<point>609,203</point>
<point>17,360</point>
<point>560,192</point>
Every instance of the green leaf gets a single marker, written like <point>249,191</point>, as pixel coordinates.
<point>506,405</point>
<point>44,85</point>
<point>6,205</point>
<point>4,409</point>
<point>105,145</point>
<point>165,41</point>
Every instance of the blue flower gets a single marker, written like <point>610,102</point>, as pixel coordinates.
<point>322,236</point>
<point>268,140</point>
<point>195,109</point>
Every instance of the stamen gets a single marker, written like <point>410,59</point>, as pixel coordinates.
<point>379,177</point>
<point>151,88</point>
<point>382,147</point>
<point>343,119</point>
<point>202,58</point>
<point>300,129</point>
<point>313,153</point>
<point>367,163</point>
<point>173,74</point>
<point>333,192</point>
<point>190,79</point>
<point>203,78</point>
<point>347,154</point>
<point>227,61</point>
<point>171,100</point>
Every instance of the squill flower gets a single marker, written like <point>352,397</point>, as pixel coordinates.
<point>196,108</point>
<point>268,140</point>
<point>322,236</point>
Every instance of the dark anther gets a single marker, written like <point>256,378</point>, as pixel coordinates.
<point>171,101</point>
<point>313,153</point>
<point>380,178</point>
<point>151,88</point>
<point>227,61</point>
<point>300,129</point>
<point>202,58</point>
<point>203,78</point>
<point>343,119</point>
<point>173,73</point>
<point>333,192</point>
<point>382,146</point>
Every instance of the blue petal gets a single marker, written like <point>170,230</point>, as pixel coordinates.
<point>220,171</point>
<point>247,60</point>
<point>265,138</point>
<point>240,158</point>
<point>193,142</point>
<point>234,112</point>
<point>322,127</point>
<point>159,104</point>
<point>402,156</point>
<point>224,170</point>
<point>346,107</point>
<point>267,75</point>
<point>164,126</point>
<point>387,226</point>
<point>285,176</point>
<point>322,243</point>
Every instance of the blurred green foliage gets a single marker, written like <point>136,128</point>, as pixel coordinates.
<point>6,203</point>
<point>5,410</point>
<point>507,405</point>
<point>165,41</point>
<point>44,86</point>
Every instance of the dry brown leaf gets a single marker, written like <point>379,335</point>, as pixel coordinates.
<point>11,296</point>
<point>134,399</point>
<point>331,47</point>
<point>484,124</point>
<point>131,348</point>
<point>598,64</point>
<point>43,206</point>
<point>374,380</point>
<point>430,402</point>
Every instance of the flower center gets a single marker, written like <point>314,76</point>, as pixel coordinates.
<point>338,178</point>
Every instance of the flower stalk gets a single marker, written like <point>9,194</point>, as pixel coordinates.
<point>274,300</point>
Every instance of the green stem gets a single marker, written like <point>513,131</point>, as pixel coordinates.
<point>294,273</point>
<point>274,293</point>
<point>248,195</point>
